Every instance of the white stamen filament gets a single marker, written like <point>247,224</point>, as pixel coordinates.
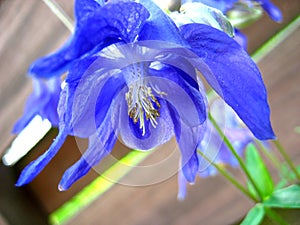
<point>140,100</point>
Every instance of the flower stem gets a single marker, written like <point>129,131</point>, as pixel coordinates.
<point>269,155</point>
<point>229,177</point>
<point>233,151</point>
<point>60,13</point>
<point>286,158</point>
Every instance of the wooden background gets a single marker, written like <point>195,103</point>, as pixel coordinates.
<point>28,30</point>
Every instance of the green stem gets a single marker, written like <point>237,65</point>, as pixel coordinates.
<point>275,217</point>
<point>268,46</point>
<point>286,158</point>
<point>233,151</point>
<point>274,160</point>
<point>229,177</point>
<point>269,155</point>
<point>60,13</point>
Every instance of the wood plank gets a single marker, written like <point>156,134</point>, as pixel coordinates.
<point>28,30</point>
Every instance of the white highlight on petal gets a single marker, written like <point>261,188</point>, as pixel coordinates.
<point>26,140</point>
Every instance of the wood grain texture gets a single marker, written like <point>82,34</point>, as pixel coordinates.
<point>29,30</point>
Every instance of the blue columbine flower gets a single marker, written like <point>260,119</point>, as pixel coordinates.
<point>43,102</point>
<point>132,75</point>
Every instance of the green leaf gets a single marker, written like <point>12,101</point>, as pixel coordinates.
<point>275,217</point>
<point>255,215</point>
<point>201,13</point>
<point>297,129</point>
<point>259,172</point>
<point>285,198</point>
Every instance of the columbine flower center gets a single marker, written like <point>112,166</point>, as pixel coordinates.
<point>141,101</point>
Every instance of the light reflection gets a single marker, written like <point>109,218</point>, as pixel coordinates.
<point>26,140</point>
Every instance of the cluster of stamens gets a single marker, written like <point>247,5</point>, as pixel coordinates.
<point>141,101</point>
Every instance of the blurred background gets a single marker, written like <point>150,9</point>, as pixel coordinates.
<point>28,29</point>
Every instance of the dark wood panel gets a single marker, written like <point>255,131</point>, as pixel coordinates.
<point>15,205</point>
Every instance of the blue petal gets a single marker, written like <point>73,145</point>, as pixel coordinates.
<point>108,24</point>
<point>233,75</point>
<point>100,145</point>
<point>187,139</point>
<point>131,134</point>
<point>72,113</point>
<point>43,101</point>
<point>120,56</point>
<point>50,110</point>
<point>159,26</point>
<point>93,155</point>
<point>181,186</point>
<point>272,10</point>
<point>108,94</point>
<point>189,102</point>
<point>85,7</point>
<point>89,93</point>
<point>35,167</point>
<point>176,56</point>
<point>79,67</point>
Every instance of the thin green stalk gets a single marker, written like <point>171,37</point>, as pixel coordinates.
<point>269,155</point>
<point>268,46</point>
<point>275,217</point>
<point>60,13</point>
<point>274,160</point>
<point>233,151</point>
<point>229,177</point>
<point>286,158</point>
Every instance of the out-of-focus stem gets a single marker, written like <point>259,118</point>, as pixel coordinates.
<point>229,177</point>
<point>60,13</point>
<point>233,151</point>
<point>286,158</point>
